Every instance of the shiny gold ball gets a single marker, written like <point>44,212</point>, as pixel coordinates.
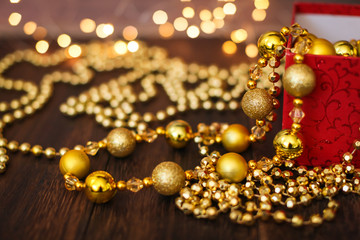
<point>236,138</point>
<point>299,80</point>
<point>168,178</point>
<point>178,133</point>
<point>75,162</point>
<point>288,144</point>
<point>121,142</point>
<point>268,42</point>
<point>232,166</point>
<point>257,103</point>
<point>322,46</point>
<point>100,187</point>
<point>344,48</point>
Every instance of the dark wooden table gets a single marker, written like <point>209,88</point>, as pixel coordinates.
<point>35,205</point>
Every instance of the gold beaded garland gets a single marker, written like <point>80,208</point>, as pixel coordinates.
<point>120,142</point>
<point>168,178</point>
<point>75,162</point>
<point>178,133</point>
<point>100,187</point>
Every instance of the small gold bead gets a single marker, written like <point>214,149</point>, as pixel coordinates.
<point>356,144</point>
<point>203,150</point>
<point>316,220</point>
<point>279,216</point>
<point>297,102</point>
<point>251,84</point>
<point>277,160</point>
<point>62,151</point>
<point>298,58</point>
<point>13,146</point>
<point>252,164</point>
<point>252,138</point>
<point>295,127</point>
<point>102,144</point>
<point>121,185</point>
<point>138,138</point>
<point>285,31</point>
<point>189,175</point>
<point>262,62</point>
<point>25,147</point>
<point>260,123</point>
<point>50,152</point>
<point>297,221</point>
<point>80,186</point>
<point>148,181</point>
<point>160,130</point>
<point>37,150</point>
<point>3,142</point>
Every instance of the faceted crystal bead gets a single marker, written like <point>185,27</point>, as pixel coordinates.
<point>274,62</point>
<point>259,132</point>
<point>280,51</point>
<point>255,72</point>
<point>134,184</point>
<point>297,114</point>
<point>149,136</point>
<point>296,30</point>
<point>302,47</point>
<point>264,164</point>
<point>70,182</point>
<point>91,148</point>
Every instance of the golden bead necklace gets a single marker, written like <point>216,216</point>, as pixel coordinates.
<point>221,183</point>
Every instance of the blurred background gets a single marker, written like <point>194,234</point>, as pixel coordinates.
<point>237,23</point>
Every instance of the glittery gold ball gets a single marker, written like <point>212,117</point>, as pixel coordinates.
<point>100,187</point>
<point>257,103</point>
<point>232,166</point>
<point>75,162</point>
<point>178,133</point>
<point>236,138</point>
<point>299,80</point>
<point>168,178</point>
<point>288,144</point>
<point>268,42</point>
<point>344,48</point>
<point>321,46</point>
<point>120,142</point>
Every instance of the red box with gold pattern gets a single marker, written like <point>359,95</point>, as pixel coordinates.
<point>332,111</point>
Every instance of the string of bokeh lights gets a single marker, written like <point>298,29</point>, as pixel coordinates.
<point>192,22</point>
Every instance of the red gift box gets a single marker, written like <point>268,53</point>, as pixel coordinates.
<point>332,111</point>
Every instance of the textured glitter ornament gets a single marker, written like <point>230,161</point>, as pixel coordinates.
<point>299,80</point>
<point>168,178</point>
<point>120,142</point>
<point>257,103</point>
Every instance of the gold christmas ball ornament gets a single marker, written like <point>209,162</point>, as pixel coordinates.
<point>236,138</point>
<point>178,133</point>
<point>232,166</point>
<point>75,162</point>
<point>299,80</point>
<point>121,142</point>
<point>100,187</point>
<point>322,46</point>
<point>344,48</point>
<point>168,178</point>
<point>268,42</point>
<point>257,103</point>
<point>288,144</point>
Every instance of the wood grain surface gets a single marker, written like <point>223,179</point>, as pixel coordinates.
<point>35,205</point>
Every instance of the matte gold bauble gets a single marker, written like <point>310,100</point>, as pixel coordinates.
<point>75,162</point>
<point>288,144</point>
<point>322,46</point>
<point>178,133</point>
<point>257,103</point>
<point>299,80</point>
<point>344,48</point>
<point>100,187</point>
<point>268,42</point>
<point>168,178</point>
<point>232,166</point>
<point>236,138</point>
<point>120,142</point>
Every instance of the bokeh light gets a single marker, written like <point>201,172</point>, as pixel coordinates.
<point>251,50</point>
<point>40,33</point>
<point>258,15</point>
<point>205,15</point>
<point>208,27</point>
<point>133,46</point>
<point>64,40</point>
<point>180,24</point>
<point>166,30</point>
<point>120,47</point>
<point>188,12</point>
<point>193,31</point>
<point>130,33</point>
<point>229,47</point>
<point>160,17</point>
<point>104,30</point>
<point>30,27</point>
<point>15,1</point>
<point>74,51</point>
<point>239,35</point>
<point>219,23</point>
<point>87,25</point>
<point>42,46</point>
<point>261,4</point>
<point>219,13</point>
<point>229,8</point>
<point>14,18</point>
